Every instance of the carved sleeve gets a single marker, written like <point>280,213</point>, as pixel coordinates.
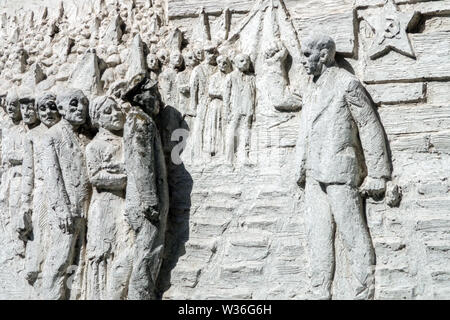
<point>194,85</point>
<point>27,172</point>
<point>142,193</point>
<point>301,150</point>
<point>58,198</point>
<point>227,96</point>
<point>100,173</point>
<point>370,129</point>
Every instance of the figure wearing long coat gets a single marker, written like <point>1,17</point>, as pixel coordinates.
<point>109,237</point>
<point>147,202</point>
<point>11,184</point>
<point>34,196</point>
<point>69,190</point>
<point>341,142</point>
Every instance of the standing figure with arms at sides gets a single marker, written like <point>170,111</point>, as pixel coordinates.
<point>214,131</point>
<point>69,193</point>
<point>240,103</point>
<point>341,156</point>
<point>34,196</point>
<point>13,136</point>
<point>31,122</point>
<point>184,90</point>
<point>199,97</point>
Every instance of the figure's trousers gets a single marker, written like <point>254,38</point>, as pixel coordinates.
<point>238,136</point>
<point>60,273</point>
<point>330,208</point>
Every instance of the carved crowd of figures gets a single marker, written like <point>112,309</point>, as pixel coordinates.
<point>84,181</point>
<point>216,97</point>
<point>94,208</point>
<point>84,195</point>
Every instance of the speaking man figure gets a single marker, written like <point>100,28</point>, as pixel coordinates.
<point>341,157</point>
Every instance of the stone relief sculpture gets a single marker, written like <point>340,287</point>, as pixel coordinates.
<point>153,66</point>
<point>69,193</point>
<point>138,181</point>
<point>215,124</point>
<point>147,197</point>
<point>199,95</point>
<point>12,157</point>
<point>341,157</point>
<point>108,258</point>
<point>277,80</point>
<point>34,206</point>
<point>183,86</point>
<point>240,103</point>
<point>391,28</point>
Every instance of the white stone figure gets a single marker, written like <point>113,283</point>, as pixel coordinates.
<point>31,121</point>
<point>341,155</point>
<point>12,157</point>
<point>153,66</point>
<point>147,195</point>
<point>240,103</point>
<point>69,192</point>
<point>164,58</point>
<point>34,206</point>
<point>108,264</point>
<point>199,97</point>
<point>214,131</point>
<point>183,86</point>
<point>167,80</point>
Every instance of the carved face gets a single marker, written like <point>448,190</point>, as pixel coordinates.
<point>189,59</point>
<point>163,56</point>
<point>28,112</point>
<point>13,111</point>
<point>75,110</point>
<point>313,60</point>
<point>211,56</point>
<point>242,62</point>
<point>111,117</point>
<point>199,54</point>
<point>176,59</point>
<point>48,113</point>
<point>224,64</point>
<point>153,62</point>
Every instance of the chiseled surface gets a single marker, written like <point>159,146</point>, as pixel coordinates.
<point>236,218</point>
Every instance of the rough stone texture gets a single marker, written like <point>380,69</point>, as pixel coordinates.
<point>235,229</point>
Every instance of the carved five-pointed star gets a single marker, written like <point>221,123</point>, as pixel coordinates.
<point>391,31</point>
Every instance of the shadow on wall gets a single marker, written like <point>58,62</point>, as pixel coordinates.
<point>180,188</point>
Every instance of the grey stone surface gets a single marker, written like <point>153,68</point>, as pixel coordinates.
<point>175,179</point>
